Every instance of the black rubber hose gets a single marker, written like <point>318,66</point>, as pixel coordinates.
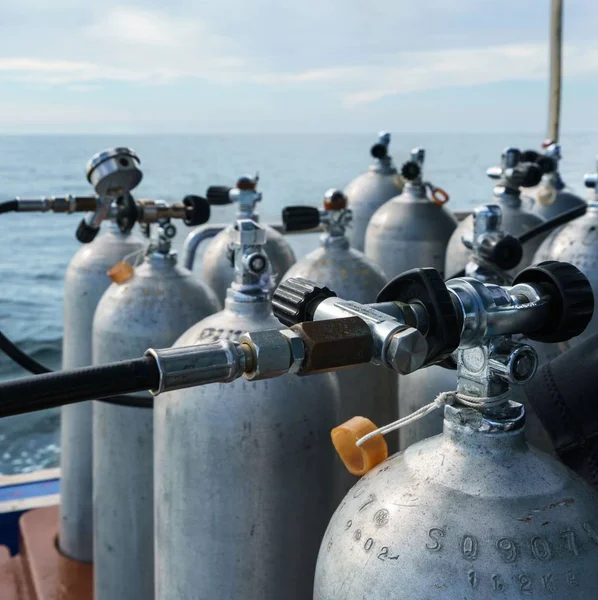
<point>10,206</point>
<point>22,359</point>
<point>549,225</point>
<point>77,385</point>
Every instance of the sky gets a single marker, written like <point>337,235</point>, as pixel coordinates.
<point>281,66</point>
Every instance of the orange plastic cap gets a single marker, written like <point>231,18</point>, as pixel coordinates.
<point>359,459</point>
<point>439,196</point>
<point>121,272</point>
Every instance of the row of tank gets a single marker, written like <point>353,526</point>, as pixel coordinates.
<point>261,457</point>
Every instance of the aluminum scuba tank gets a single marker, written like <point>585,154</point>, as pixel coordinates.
<point>243,471</point>
<point>474,512</point>
<point>368,192</point>
<point>411,230</point>
<point>113,172</point>
<point>215,267</point>
<point>493,253</point>
<point>367,389</point>
<point>512,174</point>
<point>155,305</point>
<point>551,197</point>
<point>577,243</point>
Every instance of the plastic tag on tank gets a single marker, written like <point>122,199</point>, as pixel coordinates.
<point>359,459</point>
<point>121,272</point>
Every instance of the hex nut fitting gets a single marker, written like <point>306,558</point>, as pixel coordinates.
<point>407,350</point>
<point>297,350</point>
<point>272,353</point>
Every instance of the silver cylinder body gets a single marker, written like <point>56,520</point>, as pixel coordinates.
<point>577,243</point>
<point>153,308</point>
<point>408,232</point>
<point>465,514</point>
<point>366,194</point>
<point>86,281</point>
<point>515,221</point>
<point>564,201</point>
<point>367,390</point>
<point>243,477</point>
<point>216,268</point>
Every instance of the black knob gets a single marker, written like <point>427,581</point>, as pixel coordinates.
<point>218,195</point>
<point>379,151</point>
<point>197,210</point>
<point>296,299</point>
<point>300,218</point>
<point>426,287</point>
<point>411,170</point>
<point>86,233</point>
<point>530,156</point>
<point>547,164</point>
<point>525,175</point>
<point>506,254</point>
<point>571,300</point>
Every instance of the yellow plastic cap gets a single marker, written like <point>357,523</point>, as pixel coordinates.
<point>121,272</point>
<point>359,459</point>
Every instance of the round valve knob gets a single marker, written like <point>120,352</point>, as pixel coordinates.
<point>571,299</point>
<point>295,300</point>
<point>526,174</point>
<point>335,200</point>
<point>379,151</point>
<point>300,218</point>
<point>85,233</point>
<point>197,210</point>
<point>505,254</point>
<point>411,170</point>
<point>427,288</point>
<point>218,195</point>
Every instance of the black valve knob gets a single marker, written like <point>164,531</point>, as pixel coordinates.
<point>426,287</point>
<point>127,213</point>
<point>300,218</point>
<point>525,175</point>
<point>530,156</point>
<point>296,299</point>
<point>571,300</point>
<point>379,151</point>
<point>547,164</point>
<point>218,195</point>
<point>197,210</point>
<point>411,170</point>
<point>85,233</point>
<point>505,254</point>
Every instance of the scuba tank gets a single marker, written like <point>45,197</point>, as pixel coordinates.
<point>474,512</point>
<point>512,175</point>
<point>493,254</point>
<point>552,197</point>
<point>368,192</point>
<point>411,230</point>
<point>243,471</point>
<point>367,389</point>
<point>577,243</point>
<point>152,305</point>
<point>112,173</point>
<point>215,267</point>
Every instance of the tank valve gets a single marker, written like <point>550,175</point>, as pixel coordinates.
<point>335,218</point>
<point>493,250</point>
<point>412,173</point>
<point>244,193</point>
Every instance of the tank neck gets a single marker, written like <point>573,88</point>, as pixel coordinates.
<point>414,192</point>
<point>158,260</point>
<point>507,196</point>
<point>335,242</point>
<point>245,305</point>
<point>504,429</point>
<point>383,166</point>
<point>249,213</point>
